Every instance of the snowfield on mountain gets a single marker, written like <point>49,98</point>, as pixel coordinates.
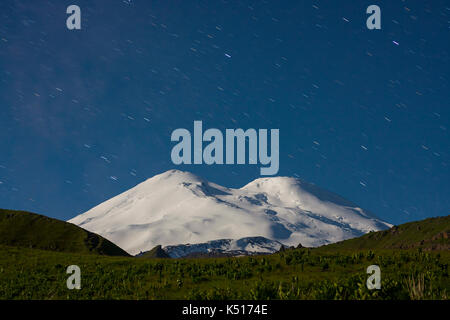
<point>230,247</point>
<point>179,207</point>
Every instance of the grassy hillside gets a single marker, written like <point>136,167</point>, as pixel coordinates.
<point>30,230</point>
<point>330,272</point>
<point>293,274</point>
<point>428,234</point>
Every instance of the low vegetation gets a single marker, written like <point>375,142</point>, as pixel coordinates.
<point>330,272</point>
<point>292,274</point>
<point>428,234</point>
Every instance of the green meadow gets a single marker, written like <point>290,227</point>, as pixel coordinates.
<point>413,259</point>
<point>292,274</point>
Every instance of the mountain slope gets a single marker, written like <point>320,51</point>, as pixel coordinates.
<point>156,252</point>
<point>178,207</point>
<point>428,234</point>
<point>25,229</point>
<point>224,247</point>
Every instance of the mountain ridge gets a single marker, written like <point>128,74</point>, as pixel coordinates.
<point>32,230</point>
<point>431,234</point>
<point>230,247</point>
<point>179,207</point>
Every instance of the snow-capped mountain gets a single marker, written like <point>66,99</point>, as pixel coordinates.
<point>179,207</point>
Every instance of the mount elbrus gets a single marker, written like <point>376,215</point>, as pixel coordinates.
<point>179,207</point>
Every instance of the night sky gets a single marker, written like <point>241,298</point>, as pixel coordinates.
<point>87,114</point>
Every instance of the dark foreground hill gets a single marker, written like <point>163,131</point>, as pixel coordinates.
<point>30,230</point>
<point>431,234</point>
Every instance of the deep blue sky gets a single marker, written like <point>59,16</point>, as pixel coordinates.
<point>85,115</point>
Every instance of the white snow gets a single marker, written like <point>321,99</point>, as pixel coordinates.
<point>244,246</point>
<point>179,207</point>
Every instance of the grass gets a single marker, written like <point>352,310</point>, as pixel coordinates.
<point>413,258</point>
<point>292,274</point>
<point>428,234</point>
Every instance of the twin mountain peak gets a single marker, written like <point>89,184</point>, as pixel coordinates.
<point>185,214</point>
